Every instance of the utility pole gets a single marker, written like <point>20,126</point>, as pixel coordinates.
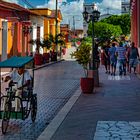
<point>74,29</point>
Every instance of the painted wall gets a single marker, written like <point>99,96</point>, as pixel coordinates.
<point>135,25</point>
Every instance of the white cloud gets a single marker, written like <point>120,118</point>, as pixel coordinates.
<point>113,6</point>
<point>51,4</point>
<point>72,13</point>
<point>75,8</point>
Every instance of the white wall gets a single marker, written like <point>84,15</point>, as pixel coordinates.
<point>37,21</point>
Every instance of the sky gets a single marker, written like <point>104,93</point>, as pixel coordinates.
<point>74,8</point>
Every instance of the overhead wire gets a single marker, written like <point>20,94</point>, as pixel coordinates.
<point>28,3</point>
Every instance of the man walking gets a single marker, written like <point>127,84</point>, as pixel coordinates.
<point>133,55</point>
<point>121,56</point>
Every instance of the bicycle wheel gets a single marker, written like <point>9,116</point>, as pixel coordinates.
<point>6,117</point>
<point>33,107</point>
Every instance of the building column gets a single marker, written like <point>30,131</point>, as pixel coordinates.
<point>138,16</point>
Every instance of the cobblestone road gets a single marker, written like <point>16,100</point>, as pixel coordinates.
<point>54,85</point>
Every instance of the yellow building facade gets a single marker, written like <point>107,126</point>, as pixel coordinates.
<point>49,20</point>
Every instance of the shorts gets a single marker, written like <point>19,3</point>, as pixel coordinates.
<point>113,63</point>
<point>133,62</point>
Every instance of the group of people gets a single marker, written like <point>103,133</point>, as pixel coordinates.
<point>126,55</point>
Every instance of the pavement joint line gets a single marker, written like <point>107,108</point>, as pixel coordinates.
<point>48,64</point>
<point>39,67</point>
<point>56,122</point>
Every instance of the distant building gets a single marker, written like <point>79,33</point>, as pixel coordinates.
<point>65,30</point>
<point>125,6</point>
<point>104,16</point>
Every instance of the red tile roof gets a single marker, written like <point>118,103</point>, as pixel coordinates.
<point>12,6</point>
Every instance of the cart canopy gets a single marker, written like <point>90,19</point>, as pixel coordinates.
<point>16,62</point>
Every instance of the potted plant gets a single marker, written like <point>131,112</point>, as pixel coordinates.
<point>37,57</point>
<point>46,45</point>
<point>57,41</point>
<point>83,57</point>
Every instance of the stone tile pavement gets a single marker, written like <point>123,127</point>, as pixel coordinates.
<point>54,86</point>
<point>116,101</point>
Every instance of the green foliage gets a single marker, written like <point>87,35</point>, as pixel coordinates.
<point>104,31</point>
<point>57,40</point>
<point>82,55</point>
<point>122,20</point>
<point>75,39</point>
<point>88,39</point>
<point>36,42</point>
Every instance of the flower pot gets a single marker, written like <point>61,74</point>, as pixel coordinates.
<point>87,85</point>
<point>38,59</point>
<point>53,56</point>
<point>46,57</point>
<point>64,51</point>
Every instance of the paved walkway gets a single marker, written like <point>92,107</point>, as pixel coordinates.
<point>54,85</point>
<point>111,113</point>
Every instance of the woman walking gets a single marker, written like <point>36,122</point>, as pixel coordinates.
<point>133,56</point>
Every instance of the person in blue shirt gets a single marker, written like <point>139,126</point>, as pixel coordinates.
<point>113,58</point>
<point>121,57</point>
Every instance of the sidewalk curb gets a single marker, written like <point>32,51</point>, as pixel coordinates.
<point>42,66</point>
<point>48,64</point>
<point>56,122</point>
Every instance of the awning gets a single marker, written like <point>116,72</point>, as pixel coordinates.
<point>16,62</point>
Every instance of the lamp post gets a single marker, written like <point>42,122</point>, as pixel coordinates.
<point>92,17</point>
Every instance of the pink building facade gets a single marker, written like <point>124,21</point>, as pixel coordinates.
<point>135,24</point>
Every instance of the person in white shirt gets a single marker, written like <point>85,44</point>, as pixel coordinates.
<point>22,79</point>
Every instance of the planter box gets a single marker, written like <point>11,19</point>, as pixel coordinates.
<point>38,59</point>
<point>46,57</point>
<point>53,56</point>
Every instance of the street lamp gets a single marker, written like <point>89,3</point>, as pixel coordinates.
<point>88,17</point>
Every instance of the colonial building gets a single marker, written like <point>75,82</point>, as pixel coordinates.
<point>65,30</point>
<point>125,6</point>
<point>135,23</point>
<point>49,17</point>
<point>15,29</point>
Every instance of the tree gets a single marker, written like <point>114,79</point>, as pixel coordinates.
<point>104,31</point>
<point>57,39</point>
<point>122,20</point>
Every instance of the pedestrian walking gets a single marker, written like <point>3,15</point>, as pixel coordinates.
<point>97,55</point>
<point>106,58</point>
<point>127,56</point>
<point>113,58</point>
<point>121,57</point>
<point>133,56</point>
